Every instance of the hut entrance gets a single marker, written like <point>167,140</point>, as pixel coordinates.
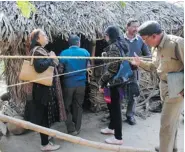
<point>60,44</point>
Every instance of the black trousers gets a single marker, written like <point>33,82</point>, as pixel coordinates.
<point>115,113</point>
<point>44,123</point>
<point>73,100</point>
<point>131,106</point>
<point>40,117</point>
<point>37,113</point>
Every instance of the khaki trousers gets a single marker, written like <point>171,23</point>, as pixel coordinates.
<point>171,111</point>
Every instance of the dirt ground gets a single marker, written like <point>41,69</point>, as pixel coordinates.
<point>142,135</point>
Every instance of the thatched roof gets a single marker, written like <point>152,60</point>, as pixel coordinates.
<point>87,18</point>
<point>62,18</point>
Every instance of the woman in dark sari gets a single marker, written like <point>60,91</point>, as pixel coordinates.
<point>47,101</point>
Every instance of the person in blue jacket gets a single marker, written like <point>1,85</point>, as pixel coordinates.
<point>74,83</point>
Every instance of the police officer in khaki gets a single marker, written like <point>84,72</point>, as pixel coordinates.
<point>168,56</point>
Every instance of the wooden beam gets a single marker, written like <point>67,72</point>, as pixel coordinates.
<point>73,139</point>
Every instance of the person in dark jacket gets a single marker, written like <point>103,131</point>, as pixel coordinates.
<point>136,45</point>
<point>47,101</point>
<point>116,44</point>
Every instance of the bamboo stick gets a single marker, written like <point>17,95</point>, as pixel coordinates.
<point>69,138</point>
<point>72,57</point>
<point>93,43</point>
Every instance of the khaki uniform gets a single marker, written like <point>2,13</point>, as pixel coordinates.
<point>168,57</point>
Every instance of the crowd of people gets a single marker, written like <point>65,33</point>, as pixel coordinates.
<point>63,100</point>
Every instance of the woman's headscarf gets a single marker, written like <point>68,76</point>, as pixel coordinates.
<point>114,34</point>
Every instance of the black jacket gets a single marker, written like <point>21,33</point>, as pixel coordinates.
<point>112,67</point>
<point>41,94</point>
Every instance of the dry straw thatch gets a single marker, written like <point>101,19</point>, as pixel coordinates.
<point>62,18</point>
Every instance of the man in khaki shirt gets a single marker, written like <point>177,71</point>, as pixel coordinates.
<point>168,56</point>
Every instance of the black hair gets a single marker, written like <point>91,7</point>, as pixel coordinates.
<point>113,33</point>
<point>34,40</point>
<point>73,40</point>
<point>149,28</point>
<point>115,37</point>
<point>130,21</point>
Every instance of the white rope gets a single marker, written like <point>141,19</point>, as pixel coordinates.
<point>66,57</point>
<point>86,69</point>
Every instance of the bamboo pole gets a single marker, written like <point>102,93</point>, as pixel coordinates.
<point>93,43</point>
<point>72,57</point>
<point>69,138</point>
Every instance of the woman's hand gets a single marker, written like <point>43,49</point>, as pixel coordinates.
<point>136,60</point>
<point>55,60</point>
<point>101,90</point>
<point>182,93</point>
<point>52,54</point>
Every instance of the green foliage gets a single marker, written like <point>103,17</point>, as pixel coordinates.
<point>26,8</point>
<point>123,4</point>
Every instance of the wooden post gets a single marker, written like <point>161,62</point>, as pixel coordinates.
<point>93,43</point>
<point>93,51</point>
<point>73,139</point>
